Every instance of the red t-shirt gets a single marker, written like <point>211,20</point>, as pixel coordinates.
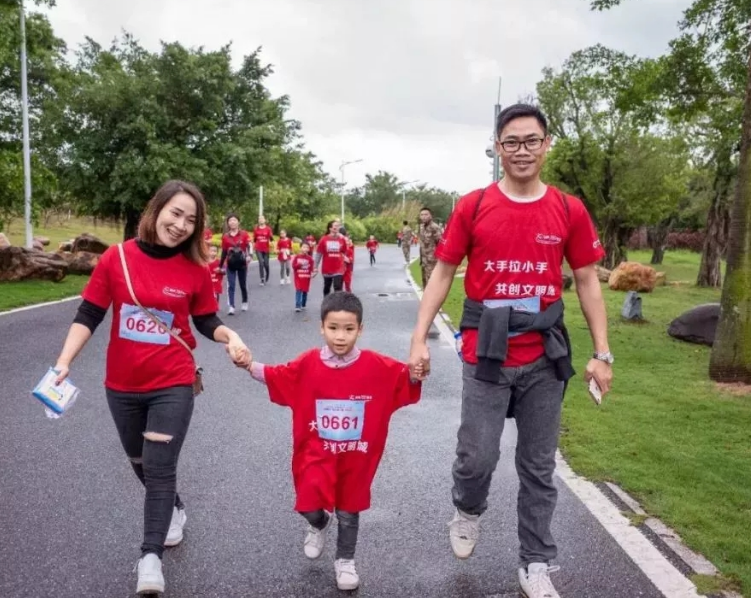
<point>311,240</point>
<point>207,234</point>
<point>372,245</point>
<point>515,252</point>
<point>302,266</point>
<point>216,276</point>
<point>140,356</point>
<point>340,421</point>
<point>240,240</point>
<point>284,249</point>
<point>262,237</point>
<point>332,248</point>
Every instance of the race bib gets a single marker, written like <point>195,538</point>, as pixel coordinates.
<point>333,246</point>
<point>340,420</point>
<point>136,326</point>
<point>528,304</point>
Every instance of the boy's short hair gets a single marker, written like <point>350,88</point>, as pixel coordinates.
<point>341,301</point>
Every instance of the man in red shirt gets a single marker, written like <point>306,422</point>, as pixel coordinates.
<point>262,236</point>
<point>517,358</point>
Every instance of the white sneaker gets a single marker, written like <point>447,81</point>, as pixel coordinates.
<point>346,574</point>
<point>282,282</point>
<point>315,539</point>
<point>464,530</point>
<point>175,533</point>
<point>231,311</point>
<point>535,581</point>
<point>244,307</point>
<point>150,578</point>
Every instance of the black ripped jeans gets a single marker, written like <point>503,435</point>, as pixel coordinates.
<point>349,524</point>
<point>166,411</point>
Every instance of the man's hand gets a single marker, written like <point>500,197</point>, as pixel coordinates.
<point>419,360</point>
<point>602,373</point>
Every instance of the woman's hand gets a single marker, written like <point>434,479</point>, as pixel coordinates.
<point>63,370</point>
<point>238,352</point>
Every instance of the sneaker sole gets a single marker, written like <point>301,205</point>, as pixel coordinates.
<point>150,588</point>
<point>175,542</point>
<point>347,586</point>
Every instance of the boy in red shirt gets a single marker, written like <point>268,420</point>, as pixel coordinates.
<point>342,400</point>
<point>284,253</point>
<point>304,268</point>
<point>372,246</point>
<point>349,260</point>
<point>262,238</point>
<point>217,272</point>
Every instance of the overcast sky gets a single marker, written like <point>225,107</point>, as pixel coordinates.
<point>406,85</point>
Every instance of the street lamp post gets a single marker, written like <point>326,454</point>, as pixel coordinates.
<point>26,143</point>
<point>404,196</point>
<point>341,169</point>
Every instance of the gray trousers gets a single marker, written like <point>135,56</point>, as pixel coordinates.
<point>537,395</point>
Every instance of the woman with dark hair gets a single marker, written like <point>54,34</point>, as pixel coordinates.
<point>330,257</point>
<point>236,249</point>
<point>155,284</point>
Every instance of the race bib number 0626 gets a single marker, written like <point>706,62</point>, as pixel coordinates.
<point>136,326</point>
<point>340,420</point>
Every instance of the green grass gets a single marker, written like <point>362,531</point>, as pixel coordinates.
<point>28,292</point>
<point>666,434</point>
<point>68,229</point>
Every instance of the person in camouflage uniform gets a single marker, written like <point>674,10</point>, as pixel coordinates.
<point>407,235</point>
<point>429,236</point>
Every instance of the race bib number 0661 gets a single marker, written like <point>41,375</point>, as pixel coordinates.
<point>339,420</point>
<point>136,326</point>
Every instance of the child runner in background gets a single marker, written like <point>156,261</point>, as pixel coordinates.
<point>349,260</point>
<point>217,272</point>
<point>342,399</point>
<point>304,268</point>
<point>330,256</point>
<point>372,246</point>
<point>310,240</point>
<point>284,253</point>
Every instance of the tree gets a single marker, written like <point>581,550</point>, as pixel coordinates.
<point>45,64</point>
<point>726,26</point>
<point>136,119</point>
<point>626,175</point>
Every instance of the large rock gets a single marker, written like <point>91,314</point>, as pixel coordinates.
<point>19,263</point>
<point>44,241</point>
<point>697,325</point>
<point>90,243</point>
<point>66,246</point>
<point>661,280</point>
<point>82,262</point>
<point>632,276</point>
<point>4,241</point>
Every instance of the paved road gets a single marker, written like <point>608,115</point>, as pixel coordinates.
<point>70,507</point>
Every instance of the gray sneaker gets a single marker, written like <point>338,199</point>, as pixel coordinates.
<point>535,581</point>
<point>150,578</point>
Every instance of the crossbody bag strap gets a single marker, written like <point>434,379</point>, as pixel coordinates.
<point>153,317</point>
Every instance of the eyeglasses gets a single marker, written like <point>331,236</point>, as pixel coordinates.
<point>513,145</point>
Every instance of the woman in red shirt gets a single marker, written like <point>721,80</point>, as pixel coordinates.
<point>150,375</point>
<point>236,248</point>
<point>330,256</point>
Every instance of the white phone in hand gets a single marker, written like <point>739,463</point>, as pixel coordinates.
<point>595,392</point>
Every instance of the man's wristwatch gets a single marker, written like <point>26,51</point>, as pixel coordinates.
<point>606,357</point>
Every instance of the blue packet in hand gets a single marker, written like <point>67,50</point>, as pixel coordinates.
<point>56,399</point>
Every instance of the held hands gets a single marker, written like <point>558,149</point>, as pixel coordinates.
<point>239,353</point>
<point>601,372</point>
<point>419,360</point>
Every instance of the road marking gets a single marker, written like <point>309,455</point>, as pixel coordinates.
<point>658,569</point>
<point>29,307</point>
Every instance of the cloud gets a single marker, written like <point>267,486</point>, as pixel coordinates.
<point>407,85</point>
